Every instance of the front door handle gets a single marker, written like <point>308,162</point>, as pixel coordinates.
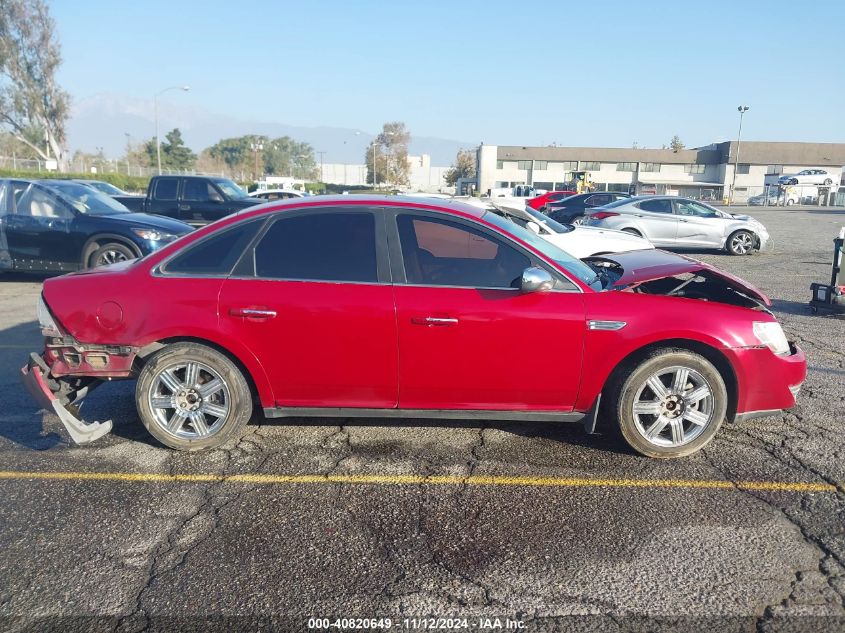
<point>682,220</point>
<point>429,320</point>
<point>184,207</point>
<point>253,313</point>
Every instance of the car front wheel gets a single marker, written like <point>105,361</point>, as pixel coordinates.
<point>191,397</point>
<point>671,404</point>
<point>740,243</point>
<point>110,254</point>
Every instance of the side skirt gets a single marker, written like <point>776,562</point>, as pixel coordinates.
<point>440,414</point>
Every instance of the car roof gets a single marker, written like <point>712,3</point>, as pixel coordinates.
<point>457,206</point>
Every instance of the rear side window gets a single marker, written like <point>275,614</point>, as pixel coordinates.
<point>319,247</point>
<point>166,189</point>
<point>215,255</point>
<point>656,206</point>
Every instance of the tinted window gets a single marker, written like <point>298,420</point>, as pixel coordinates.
<point>656,206</point>
<point>597,200</point>
<point>215,255</point>
<point>319,247</point>
<point>197,190</point>
<point>166,188</point>
<point>443,253</point>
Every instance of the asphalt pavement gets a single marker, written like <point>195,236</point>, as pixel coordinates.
<point>538,525</point>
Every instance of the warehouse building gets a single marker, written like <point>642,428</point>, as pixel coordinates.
<point>704,173</point>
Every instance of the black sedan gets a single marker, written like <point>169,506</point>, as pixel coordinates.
<point>62,226</point>
<point>571,210</point>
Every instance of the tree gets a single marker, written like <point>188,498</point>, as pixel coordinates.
<point>33,108</point>
<point>387,155</point>
<point>676,144</point>
<point>463,167</point>
<point>282,156</point>
<point>174,154</point>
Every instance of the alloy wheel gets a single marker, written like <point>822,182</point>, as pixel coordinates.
<point>189,400</point>
<point>673,406</point>
<point>742,243</point>
<point>111,256</point>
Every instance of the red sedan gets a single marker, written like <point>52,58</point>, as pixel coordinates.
<point>384,307</point>
<point>542,200</point>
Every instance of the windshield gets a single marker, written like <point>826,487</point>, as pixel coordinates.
<point>545,221</point>
<point>230,189</point>
<point>87,200</point>
<point>574,266</point>
<point>106,187</point>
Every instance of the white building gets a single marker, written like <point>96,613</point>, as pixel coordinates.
<point>423,176</point>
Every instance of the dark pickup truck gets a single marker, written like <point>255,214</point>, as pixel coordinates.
<point>196,200</point>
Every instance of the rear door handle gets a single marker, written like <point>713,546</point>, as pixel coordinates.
<point>253,313</point>
<point>429,320</point>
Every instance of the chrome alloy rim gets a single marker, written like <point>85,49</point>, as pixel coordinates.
<point>111,256</point>
<point>742,243</point>
<point>189,400</point>
<point>673,407</point>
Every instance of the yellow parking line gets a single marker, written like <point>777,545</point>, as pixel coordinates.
<point>448,480</point>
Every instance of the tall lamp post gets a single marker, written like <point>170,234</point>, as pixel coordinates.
<point>256,147</point>
<point>155,103</point>
<point>742,110</point>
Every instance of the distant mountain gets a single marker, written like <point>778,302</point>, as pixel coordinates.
<point>104,120</point>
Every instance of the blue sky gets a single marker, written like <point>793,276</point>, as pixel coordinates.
<point>604,73</point>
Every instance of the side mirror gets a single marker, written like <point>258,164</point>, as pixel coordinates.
<point>536,279</point>
<point>533,226</point>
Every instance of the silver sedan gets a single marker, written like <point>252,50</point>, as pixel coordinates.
<point>672,222</point>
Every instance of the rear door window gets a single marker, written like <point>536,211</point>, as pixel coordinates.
<point>166,189</point>
<point>656,206</point>
<point>215,255</point>
<point>320,246</point>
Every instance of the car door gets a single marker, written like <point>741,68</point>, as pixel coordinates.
<point>163,198</point>
<point>657,220</point>
<point>698,224</point>
<point>313,301</point>
<point>469,339</point>
<point>201,202</point>
<point>37,228</point>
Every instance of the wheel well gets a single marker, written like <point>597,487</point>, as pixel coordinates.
<point>148,350</point>
<point>628,229</point>
<point>719,360</point>
<point>96,241</point>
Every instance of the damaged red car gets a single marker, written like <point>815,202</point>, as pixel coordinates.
<point>389,307</point>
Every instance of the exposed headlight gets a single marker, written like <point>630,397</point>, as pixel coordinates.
<point>770,334</point>
<point>48,324</point>
<point>154,235</point>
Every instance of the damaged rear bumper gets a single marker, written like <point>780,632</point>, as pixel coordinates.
<point>37,379</point>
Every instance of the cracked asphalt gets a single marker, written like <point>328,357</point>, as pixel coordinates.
<point>133,555</point>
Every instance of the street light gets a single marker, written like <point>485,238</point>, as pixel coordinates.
<point>742,110</point>
<point>155,103</point>
<point>256,147</point>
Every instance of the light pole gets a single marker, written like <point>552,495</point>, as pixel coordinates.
<point>742,110</point>
<point>256,147</point>
<point>155,104</point>
<point>321,165</point>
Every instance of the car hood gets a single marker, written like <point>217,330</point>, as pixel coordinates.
<point>148,220</point>
<point>647,265</point>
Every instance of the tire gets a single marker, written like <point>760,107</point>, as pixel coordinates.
<point>794,181</point>
<point>632,232</point>
<point>173,406</point>
<point>681,424</point>
<point>740,243</point>
<point>828,182</point>
<point>577,220</point>
<point>790,202</point>
<point>110,253</point>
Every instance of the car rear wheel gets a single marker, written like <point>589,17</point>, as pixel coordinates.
<point>632,232</point>
<point>671,404</point>
<point>828,181</point>
<point>191,397</point>
<point>740,243</point>
<point>110,254</point>
<point>578,219</point>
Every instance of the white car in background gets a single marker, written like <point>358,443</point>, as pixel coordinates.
<point>276,194</point>
<point>577,240</point>
<point>807,177</point>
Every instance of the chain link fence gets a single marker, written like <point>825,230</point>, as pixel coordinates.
<point>97,167</point>
<point>789,195</point>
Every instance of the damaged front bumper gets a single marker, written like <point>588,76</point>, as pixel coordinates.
<point>60,398</point>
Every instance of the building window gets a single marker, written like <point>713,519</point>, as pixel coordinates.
<point>626,166</point>
<point>566,165</point>
<point>548,186</point>
<point>523,164</point>
<point>775,170</point>
<point>541,164</point>
<point>618,186</point>
<point>649,166</point>
<point>694,169</point>
<point>743,168</point>
<point>590,165</point>
<point>500,164</point>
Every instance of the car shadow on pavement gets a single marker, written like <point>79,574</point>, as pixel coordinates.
<point>783,306</point>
